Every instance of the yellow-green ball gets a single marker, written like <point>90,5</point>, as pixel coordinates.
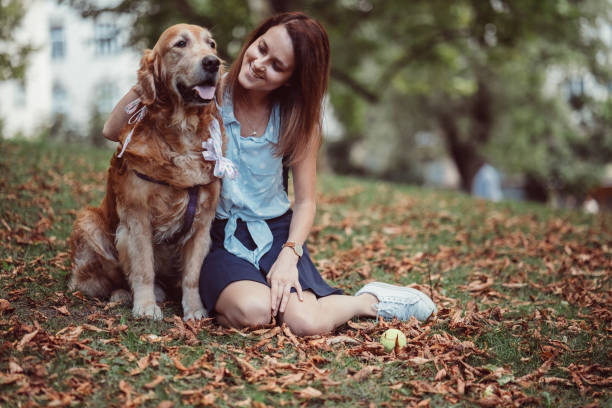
<point>389,337</point>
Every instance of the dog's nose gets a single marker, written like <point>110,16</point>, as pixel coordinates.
<point>210,63</point>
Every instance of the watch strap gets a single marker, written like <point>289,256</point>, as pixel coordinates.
<point>296,248</point>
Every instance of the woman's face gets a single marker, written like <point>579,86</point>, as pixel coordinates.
<point>268,62</point>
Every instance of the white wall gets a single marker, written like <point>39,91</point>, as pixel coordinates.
<point>80,72</point>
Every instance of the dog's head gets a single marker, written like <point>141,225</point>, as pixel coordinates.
<point>182,66</point>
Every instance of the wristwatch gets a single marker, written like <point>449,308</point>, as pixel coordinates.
<point>296,248</point>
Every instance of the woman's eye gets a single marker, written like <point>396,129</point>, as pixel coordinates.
<point>261,49</point>
<point>181,44</point>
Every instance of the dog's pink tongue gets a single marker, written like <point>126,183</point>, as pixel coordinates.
<point>205,92</point>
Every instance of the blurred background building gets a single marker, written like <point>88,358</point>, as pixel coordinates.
<point>78,71</point>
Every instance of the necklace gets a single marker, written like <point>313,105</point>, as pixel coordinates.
<point>250,124</point>
<point>254,132</point>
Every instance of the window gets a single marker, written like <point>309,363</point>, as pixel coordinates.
<point>576,86</point>
<point>20,94</point>
<point>59,99</point>
<point>106,96</point>
<point>58,45</point>
<point>106,39</point>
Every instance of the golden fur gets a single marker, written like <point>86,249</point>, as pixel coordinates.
<point>120,245</point>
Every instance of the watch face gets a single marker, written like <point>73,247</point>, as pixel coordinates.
<point>296,248</point>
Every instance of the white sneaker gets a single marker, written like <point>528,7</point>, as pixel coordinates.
<point>399,301</point>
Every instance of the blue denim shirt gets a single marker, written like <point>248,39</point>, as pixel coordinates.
<point>257,193</point>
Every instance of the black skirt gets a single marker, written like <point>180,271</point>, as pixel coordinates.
<point>221,267</point>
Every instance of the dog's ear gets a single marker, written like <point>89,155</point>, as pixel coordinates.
<point>147,75</point>
<point>221,86</point>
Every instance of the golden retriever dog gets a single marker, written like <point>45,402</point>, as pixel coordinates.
<point>161,194</point>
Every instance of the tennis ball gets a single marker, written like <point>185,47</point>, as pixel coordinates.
<point>389,338</point>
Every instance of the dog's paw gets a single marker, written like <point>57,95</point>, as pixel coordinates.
<point>121,296</point>
<point>192,305</point>
<point>148,310</point>
<point>194,315</point>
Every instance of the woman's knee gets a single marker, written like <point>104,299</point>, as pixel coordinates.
<point>242,306</point>
<point>249,312</point>
<point>304,320</point>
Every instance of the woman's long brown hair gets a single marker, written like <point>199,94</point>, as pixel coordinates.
<point>300,100</point>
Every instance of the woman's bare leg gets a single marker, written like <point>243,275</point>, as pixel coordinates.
<point>247,304</point>
<point>322,315</point>
<point>244,304</point>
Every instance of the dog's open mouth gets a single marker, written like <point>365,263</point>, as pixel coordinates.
<point>201,94</point>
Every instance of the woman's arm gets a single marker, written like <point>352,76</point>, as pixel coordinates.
<point>284,274</point>
<point>304,208</point>
<point>118,117</point>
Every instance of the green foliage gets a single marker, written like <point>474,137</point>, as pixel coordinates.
<point>60,130</point>
<point>13,54</point>
<point>96,124</point>
<point>475,73</point>
<point>472,72</point>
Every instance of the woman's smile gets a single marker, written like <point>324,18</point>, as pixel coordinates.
<point>268,62</point>
<point>254,73</point>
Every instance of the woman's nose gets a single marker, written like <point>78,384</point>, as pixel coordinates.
<point>258,66</point>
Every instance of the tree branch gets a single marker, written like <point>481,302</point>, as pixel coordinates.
<point>415,53</point>
<point>355,86</point>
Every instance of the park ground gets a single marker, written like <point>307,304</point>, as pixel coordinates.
<point>523,291</point>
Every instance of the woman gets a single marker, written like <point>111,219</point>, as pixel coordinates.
<point>257,267</point>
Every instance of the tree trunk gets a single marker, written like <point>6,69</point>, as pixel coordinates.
<point>464,154</point>
<point>535,189</point>
<point>465,151</point>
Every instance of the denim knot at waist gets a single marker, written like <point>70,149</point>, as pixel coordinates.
<point>249,239</point>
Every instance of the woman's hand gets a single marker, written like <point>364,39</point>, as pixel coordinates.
<point>118,117</point>
<point>282,277</point>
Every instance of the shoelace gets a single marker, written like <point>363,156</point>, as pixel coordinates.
<point>389,310</point>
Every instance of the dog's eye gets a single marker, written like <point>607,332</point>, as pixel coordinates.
<point>181,44</point>
<point>212,44</point>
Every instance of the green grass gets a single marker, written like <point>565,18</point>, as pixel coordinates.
<point>517,284</point>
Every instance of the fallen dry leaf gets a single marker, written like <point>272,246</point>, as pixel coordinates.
<point>208,399</point>
<point>309,393</point>
<point>365,372</point>
<point>14,368</point>
<point>5,305</point>
<point>342,339</point>
<point>10,378</point>
<point>63,310</point>
<point>158,380</point>
<point>26,339</point>
<point>243,403</point>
